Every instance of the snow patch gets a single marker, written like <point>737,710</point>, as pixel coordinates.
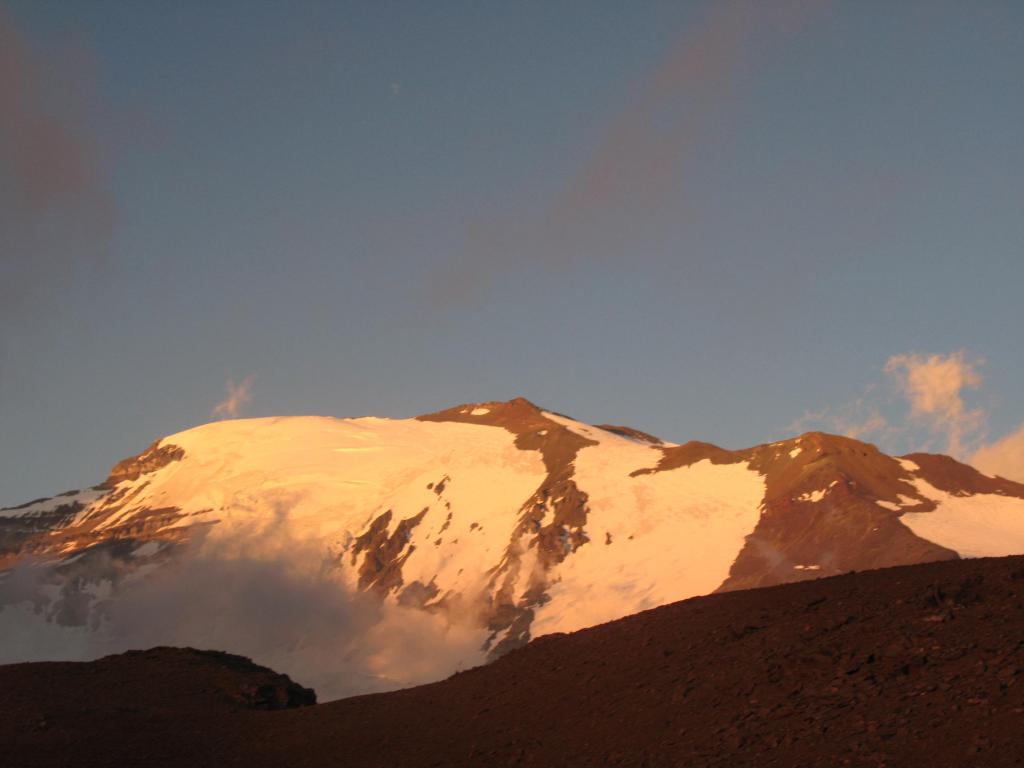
<point>908,465</point>
<point>982,525</point>
<point>814,496</point>
<point>901,502</point>
<point>585,430</point>
<point>479,411</point>
<point>270,484</point>
<point>807,567</point>
<point>676,532</point>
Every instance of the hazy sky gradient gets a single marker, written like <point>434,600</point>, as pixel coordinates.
<point>704,221</point>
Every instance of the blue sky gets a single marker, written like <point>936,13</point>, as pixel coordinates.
<point>709,221</point>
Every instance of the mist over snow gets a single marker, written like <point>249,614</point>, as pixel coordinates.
<point>290,611</point>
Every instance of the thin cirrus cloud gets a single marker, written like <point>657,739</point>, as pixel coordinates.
<point>861,419</point>
<point>56,212</point>
<point>635,181</point>
<point>238,395</point>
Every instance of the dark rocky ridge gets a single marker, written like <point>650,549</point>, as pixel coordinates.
<point>31,533</point>
<point>913,666</point>
<point>150,460</point>
<point>49,531</point>
<point>92,554</point>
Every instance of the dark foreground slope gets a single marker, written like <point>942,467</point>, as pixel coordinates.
<point>914,666</point>
<point>163,706</point>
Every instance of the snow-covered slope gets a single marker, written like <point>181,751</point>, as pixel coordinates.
<point>469,531</point>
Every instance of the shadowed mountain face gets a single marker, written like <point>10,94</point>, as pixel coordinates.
<point>911,666</point>
<point>456,536</point>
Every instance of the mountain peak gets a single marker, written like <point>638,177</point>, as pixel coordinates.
<point>504,519</point>
<point>518,415</point>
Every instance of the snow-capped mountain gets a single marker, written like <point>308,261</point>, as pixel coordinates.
<point>481,526</point>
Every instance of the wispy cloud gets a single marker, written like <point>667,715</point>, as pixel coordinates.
<point>237,395</point>
<point>935,386</point>
<point>921,404</point>
<point>861,419</point>
<point>635,180</point>
<point>56,213</point>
